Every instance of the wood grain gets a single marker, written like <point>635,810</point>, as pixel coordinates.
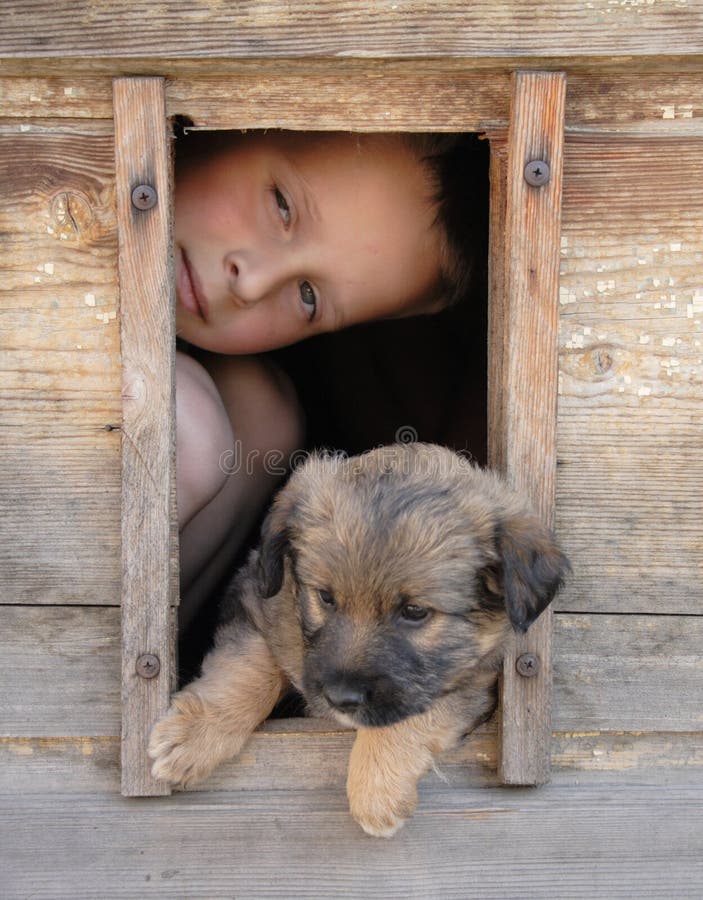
<point>60,670</point>
<point>364,94</point>
<point>60,410</point>
<point>523,314</point>
<point>148,427</point>
<point>488,29</point>
<point>272,760</point>
<point>596,841</point>
<point>630,428</point>
<point>359,96</point>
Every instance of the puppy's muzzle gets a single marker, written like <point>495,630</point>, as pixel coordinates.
<point>343,694</point>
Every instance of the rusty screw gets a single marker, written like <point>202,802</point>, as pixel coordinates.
<point>144,196</point>
<point>148,665</point>
<point>527,665</point>
<point>537,172</point>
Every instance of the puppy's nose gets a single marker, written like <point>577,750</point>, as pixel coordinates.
<point>343,696</point>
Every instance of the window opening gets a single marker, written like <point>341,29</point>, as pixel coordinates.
<point>415,378</point>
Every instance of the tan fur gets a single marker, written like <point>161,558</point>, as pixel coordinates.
<point>211,719</point>
<point>349,547</point>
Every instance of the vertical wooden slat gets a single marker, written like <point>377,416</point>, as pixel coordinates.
<point>525,236</point>
<point>148,435</point>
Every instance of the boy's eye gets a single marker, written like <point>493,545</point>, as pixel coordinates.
<point>283,207</point>
<point>308,299</point>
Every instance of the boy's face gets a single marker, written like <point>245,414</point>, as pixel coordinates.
<point>281,236</point>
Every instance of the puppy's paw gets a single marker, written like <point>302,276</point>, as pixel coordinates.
<point>188,742</point>
<point>379,801</point>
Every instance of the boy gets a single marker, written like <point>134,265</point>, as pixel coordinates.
<point>280,236</point>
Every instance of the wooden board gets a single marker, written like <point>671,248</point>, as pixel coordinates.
<point>596,841</point>
<point>355,95</point>
<point>630,427</point>
<point>59,370</point>
<point>441,94</point>
<point>272,760</point>
<point>485,29</point>
<point>363,94</point>
<point>522,385</point>
<point>60,670</point>
<point>147,314</point>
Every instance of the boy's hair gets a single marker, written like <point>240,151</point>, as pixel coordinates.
<point>458,167</point>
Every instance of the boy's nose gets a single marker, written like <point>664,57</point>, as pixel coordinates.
<point>251,279</point>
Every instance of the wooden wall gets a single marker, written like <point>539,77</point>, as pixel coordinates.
<point>628,629</point>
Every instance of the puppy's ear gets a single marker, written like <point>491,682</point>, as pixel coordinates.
<point>272,551</point>
<point>275,542</point>
<point>528,570</point>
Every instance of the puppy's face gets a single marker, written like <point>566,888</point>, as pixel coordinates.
<point>408,566</point>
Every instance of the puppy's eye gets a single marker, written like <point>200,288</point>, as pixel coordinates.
<point>412,613</point>
<point>327,598</point>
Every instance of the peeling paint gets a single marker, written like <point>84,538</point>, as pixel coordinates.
<point>566,296</point>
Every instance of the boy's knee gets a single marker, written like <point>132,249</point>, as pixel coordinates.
<point>263,407</point>
<point>203,437</point>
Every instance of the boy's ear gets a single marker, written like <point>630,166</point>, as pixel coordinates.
<point>528,570</point>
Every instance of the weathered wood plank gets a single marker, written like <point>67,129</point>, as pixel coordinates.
<point>59,513</point>
<point>611,841</point>
<point>630,429</point>
<point>72,97</point>
<point>59,668</point>
<point>368,97</point>
<point>424,94</point>
<point>60,671</point>
<point>643,104</point>
<point>363,94</point>
<point>627,672</point>
<point>523,381</point>
<point>149,586</point>
<point>273,756</point>
<point>59,370</point>
<point>495,29</point>
<point>41,125</point>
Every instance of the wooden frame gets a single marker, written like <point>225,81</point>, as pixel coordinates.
<point>525,232</point>
<point>523,374</point>
<point>149,522</point>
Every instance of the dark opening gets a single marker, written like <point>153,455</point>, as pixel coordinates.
<point>420,378</point>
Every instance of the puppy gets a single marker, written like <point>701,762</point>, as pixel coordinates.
<point>384,589</point>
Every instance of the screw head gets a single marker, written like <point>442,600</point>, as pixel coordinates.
<point>537,172</point>
<point>148,665</point>
<point>527,665</point>
<point>144,196</point>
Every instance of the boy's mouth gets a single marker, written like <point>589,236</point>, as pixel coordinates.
<point>188,288</point>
